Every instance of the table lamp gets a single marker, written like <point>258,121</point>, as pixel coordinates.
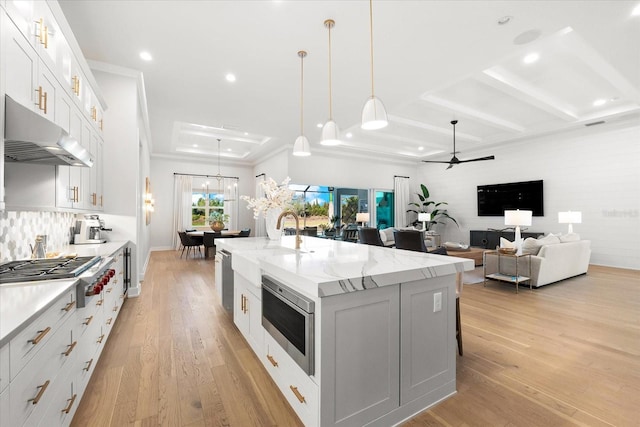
<point>424,217</point>
<point>362,217</point>
<point>517,218</point>
<point>570,218</point>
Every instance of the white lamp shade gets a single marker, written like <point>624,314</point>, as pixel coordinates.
<point>424,216</point>
<point>374,115</point>
<point>570,217</point>
<point>301,146</point>
<point>362,217</point>
<point>330,134</point>
<point>517,217</point>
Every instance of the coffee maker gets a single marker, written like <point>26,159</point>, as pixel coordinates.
<point>88,230</point>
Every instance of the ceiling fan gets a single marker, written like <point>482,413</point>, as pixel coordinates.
<point>454,160</point>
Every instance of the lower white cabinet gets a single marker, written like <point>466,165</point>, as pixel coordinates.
<point>247,313</point>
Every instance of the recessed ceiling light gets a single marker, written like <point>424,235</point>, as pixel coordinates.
<point>229,149</point>
<point>636,11</point>
<point>195,145</point>
<point>230,77</point>
<point>531,58</point>
<point>146,56</point>
<point>420,148</point>
<point>505,20</point>
<point>349,135</point>
<point>246,133</point>
<point>599,102</point>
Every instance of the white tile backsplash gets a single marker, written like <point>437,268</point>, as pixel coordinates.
<point>18,230</point>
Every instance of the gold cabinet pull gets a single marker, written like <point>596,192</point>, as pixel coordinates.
<point>101,201</point>
<point>45,102</point>
<point>87,320</point>
<point>68,408</point>
<point>42,33</point>
<point>99,341</point>
<point>242,303</point>
<point>69,306</point>
<point>99,302</point>
<point>101,123</point>
<point>86,368</point>
<point>42,388</point>
<point>109,320</point>
<point>41,335</point>
<point>109,290</point>
<point>115,308</point>
<point>70,349</point>
<point>272,360</point>
<point>39,103</point>
<point>299,396</point>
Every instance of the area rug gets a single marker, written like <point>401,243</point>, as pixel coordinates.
<point>474,276</point>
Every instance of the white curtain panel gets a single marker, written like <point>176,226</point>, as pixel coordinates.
<point>402,195</point>
<point>261,227</point>
<point>182,189</point>
<point>231,202</point>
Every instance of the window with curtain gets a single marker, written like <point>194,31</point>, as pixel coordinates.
<point>203,203</point>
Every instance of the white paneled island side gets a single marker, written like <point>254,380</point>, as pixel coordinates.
<point>382,331</point>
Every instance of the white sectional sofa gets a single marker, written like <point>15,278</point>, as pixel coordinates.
<point>556,258</point>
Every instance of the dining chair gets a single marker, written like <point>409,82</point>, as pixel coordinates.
<point>208,241</point>
<point>370,236</point>
<point>188,243</point>
<point>244,232</point>
<point>350,235</point>
<point>410,240</point>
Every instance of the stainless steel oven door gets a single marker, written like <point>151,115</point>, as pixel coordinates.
<point>289,318</point>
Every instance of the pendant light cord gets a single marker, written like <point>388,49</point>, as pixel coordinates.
<point>302,54</point>
<point>371,39</point>
<point>330,24</point>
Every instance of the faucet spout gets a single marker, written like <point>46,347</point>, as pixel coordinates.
<point>286,213</point>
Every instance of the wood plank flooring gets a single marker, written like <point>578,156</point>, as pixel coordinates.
<point>566,354</point>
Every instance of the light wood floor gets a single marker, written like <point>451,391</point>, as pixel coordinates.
<point>563,355</point>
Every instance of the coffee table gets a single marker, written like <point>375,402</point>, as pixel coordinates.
<point>472,253</point>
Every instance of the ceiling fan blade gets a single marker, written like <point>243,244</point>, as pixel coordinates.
<point>478,159</point>
<point>437,161</point>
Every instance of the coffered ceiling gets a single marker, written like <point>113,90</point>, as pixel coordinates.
<point>554,66</point>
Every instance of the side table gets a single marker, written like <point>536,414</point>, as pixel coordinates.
<point>517,279</point>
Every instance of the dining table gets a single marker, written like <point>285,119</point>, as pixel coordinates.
<point>198,235</point>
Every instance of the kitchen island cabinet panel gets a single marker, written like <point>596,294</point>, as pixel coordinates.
<point>360,356</point>
<point>247,314</point>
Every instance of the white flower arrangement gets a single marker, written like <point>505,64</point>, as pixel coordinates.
<point>276,196</point>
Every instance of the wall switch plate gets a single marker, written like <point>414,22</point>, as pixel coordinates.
<point>437,302</point>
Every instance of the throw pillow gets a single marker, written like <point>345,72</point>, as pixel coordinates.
<point>453,246</point>
<point>531,246</point>
<point>549,240</point>
<point>570,237</point>
<point>504,243</point>
<point>439,251</point>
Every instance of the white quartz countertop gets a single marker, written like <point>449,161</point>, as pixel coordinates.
<point>324,267</point>
<point>21,302</point>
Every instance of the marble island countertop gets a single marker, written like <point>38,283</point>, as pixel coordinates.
<point>20,302</point>
<point>323,267</point>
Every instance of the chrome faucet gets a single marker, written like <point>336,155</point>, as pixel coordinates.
<point>284,214</point>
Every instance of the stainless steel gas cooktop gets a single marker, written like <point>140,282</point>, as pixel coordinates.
<point>45,269</point>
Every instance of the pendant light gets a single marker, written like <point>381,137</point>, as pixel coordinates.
<point>219,176</point>
<point>330,129</point>
<point>301,146</point>
<point>374,115</point>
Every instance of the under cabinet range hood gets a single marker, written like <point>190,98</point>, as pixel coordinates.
<point>29,137</point>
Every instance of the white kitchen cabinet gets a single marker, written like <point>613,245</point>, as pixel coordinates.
<point>427,338</point>
<point>247,313</point>
<point>21,65</point>
<point>360,377</point>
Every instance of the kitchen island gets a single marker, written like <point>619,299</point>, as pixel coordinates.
<point>381,329</point>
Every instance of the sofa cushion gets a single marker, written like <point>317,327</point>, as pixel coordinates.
<point>504,243</point>
<point>531,246</point>
<point>570,237</point>
<point>386,236</point>
<point>550,239</point>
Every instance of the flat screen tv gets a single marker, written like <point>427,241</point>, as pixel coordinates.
<point>494,199</point>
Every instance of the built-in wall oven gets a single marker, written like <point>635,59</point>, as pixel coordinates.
<point>288,317</point>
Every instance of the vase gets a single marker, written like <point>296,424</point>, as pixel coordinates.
<point>217,226</point>
<point>271,222</point>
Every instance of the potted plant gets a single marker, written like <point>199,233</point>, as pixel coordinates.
<point>437,214</point>
<point>217,220</point>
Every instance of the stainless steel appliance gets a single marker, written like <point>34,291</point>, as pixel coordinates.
<point>88,230</point>
<point>29,137</point>
<point>288,317</point>
<point>224,279</point>
<point>45,269</point>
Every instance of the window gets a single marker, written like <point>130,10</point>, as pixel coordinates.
<point>203,203</point>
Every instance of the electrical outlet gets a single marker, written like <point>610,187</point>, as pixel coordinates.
<point>437,302</point>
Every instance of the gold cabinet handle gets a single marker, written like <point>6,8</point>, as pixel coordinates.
<point>109,290</point>
<point>41,335</point>
<point>115,308</point>
<point>299,396</point>
<point>86,368</point>
<point>42,33</point>
<point>42,388</point>
<point>101,123</point>
<point>45,102</point>
<point>242,303</point>
<point>68,408</point>
<point>87,320</point>
<point>39,103</point>
<point>99,341</point>
<point>94,113</point>
<point>109,320</point>
<point>272,360</point>
<point>99,302</point>
<point>101,201</point>
<point>74,84</point>
<point>69,306</point>
<point>70,349</point>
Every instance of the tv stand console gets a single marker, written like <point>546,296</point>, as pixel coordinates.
<point>489,239</point>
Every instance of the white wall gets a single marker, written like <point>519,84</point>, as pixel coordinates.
<point>162,170</point>
<point>593,170</point>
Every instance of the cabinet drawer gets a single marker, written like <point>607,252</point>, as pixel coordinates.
<point>87,356</point>
<point>32,390</point>
<point>296,386</point>
<point>65,399</point>
<point>36,335</point>
<point>4,367</point>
